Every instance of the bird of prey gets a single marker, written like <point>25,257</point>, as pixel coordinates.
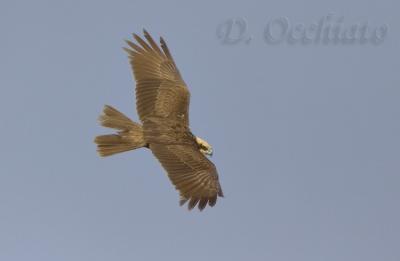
<point>162,103</point>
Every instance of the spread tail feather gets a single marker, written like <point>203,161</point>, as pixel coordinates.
<point>128,137</point>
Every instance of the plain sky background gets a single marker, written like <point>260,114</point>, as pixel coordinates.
<point>306,138</point>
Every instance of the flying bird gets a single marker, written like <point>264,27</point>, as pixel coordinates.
<point>162,103</point>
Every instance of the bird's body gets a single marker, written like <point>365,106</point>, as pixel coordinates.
<point>162,102</point>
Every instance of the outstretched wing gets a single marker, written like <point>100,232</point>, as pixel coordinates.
<point>191,172</point>
<point>160,89</point>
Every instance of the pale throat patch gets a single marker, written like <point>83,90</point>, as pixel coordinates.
<point>205,148</point>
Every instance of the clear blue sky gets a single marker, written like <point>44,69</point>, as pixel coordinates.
<point>306,137</point>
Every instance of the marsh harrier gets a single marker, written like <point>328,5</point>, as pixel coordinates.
<point>162,103</point>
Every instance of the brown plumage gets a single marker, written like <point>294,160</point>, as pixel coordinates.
<point>162,103</point>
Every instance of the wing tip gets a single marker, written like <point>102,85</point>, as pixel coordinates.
<point>182,201</point>
<point>201,203</point>
<point>162,41</point>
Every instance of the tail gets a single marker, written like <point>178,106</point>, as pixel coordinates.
<point>128,137</point>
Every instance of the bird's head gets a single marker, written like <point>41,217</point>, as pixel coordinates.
<point>204,147</point>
